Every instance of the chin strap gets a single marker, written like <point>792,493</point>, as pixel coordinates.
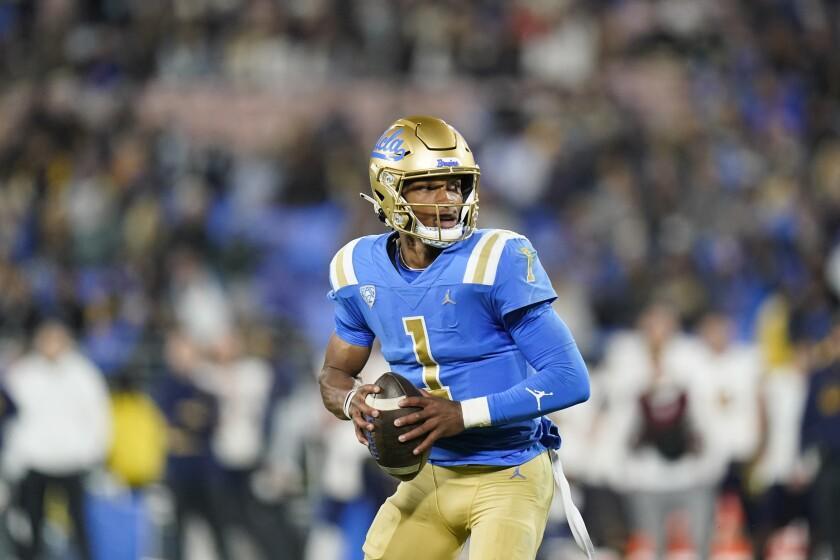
<point>573,516</point>
<point>436,244</point>
<point>427,234</point>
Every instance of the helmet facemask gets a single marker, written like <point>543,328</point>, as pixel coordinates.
<point>403,216</point>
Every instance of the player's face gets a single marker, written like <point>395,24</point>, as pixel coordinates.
<point>435,191</point>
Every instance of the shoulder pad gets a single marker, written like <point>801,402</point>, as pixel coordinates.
<point>485,256</point>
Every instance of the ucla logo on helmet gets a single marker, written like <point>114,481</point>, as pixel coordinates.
<point>390,146</point>
<point>368,293</point>
<point>448,162</point>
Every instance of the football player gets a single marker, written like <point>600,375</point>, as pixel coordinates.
<point>465,314</point>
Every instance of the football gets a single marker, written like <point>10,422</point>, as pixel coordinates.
<point>393,456</point>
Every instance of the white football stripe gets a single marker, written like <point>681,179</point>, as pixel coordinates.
<point>333,273</point>
<point>345,257</point>
<point>349,270</point>
<point>380,403</point>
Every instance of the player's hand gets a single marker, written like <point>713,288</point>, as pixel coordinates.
<point>360,411</point>
<point>439,418</point>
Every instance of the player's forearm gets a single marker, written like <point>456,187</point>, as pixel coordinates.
<point>561,380</point>
<point>342,363</point>
<point>554,388</point>
<point>335,384</point>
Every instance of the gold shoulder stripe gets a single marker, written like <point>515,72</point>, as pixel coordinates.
<point>483,257</point>
<point>484,260</point>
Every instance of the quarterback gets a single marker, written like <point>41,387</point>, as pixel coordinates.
<point>465,314</point>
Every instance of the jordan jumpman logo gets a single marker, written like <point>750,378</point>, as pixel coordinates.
<point>538,395</point>
<point>517,474</point>
<point>448,299</point>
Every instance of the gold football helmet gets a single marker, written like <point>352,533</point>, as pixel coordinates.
<point>422,147</point>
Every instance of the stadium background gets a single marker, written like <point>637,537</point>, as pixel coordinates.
<point>188,168</point>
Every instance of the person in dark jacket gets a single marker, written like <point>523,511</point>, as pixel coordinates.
<point>821,433</point>
<point>191,414</point>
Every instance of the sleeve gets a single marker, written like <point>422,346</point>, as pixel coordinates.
<point>162,395</point>
<point>809,427</point>
<point>350,325</point>
<point>521,280</point>
<point>561,380</point>
<point>8,408</point>
<point>96,403</point>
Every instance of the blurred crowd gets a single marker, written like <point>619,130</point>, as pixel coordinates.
<point>175,177</point>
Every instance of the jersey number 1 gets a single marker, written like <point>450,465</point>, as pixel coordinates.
<point>415,327</point>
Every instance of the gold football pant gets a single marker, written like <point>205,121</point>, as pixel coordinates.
<point>505,509</point>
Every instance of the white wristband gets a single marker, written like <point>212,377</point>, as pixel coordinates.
<point>476,413</point>
<point>347,400</point>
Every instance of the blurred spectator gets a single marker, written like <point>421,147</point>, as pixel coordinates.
<point>138,450</point>
<point>61,433</point>
<point>733,373</point>
<point>242,385</point>
<point>590,452</point>
<point>198,300</point>
<point>779,489</point>
<point>670,463</point>
<point>821,436</point>
<point>192,415</point>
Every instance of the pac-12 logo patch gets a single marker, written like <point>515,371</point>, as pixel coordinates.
<point>368,294</point>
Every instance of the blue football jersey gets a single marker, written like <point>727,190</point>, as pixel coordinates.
<point>445,330</point>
